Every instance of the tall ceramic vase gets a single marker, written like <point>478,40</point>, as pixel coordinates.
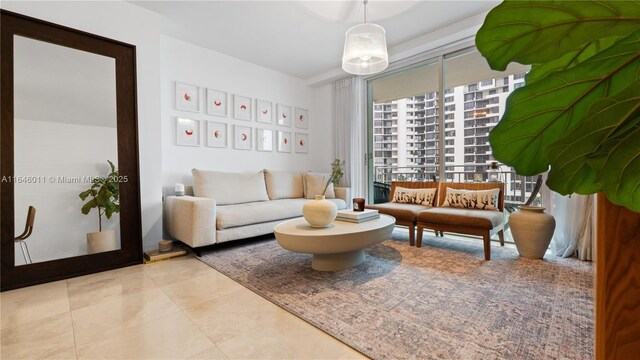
<point>320,212</point>
<point>532,231</point>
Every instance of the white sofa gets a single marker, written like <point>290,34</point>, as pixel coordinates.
<point>230,206</point>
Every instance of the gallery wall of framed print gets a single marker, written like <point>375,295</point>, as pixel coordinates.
<point>284,115</point>
<point>302,143</point>
<point>264,140</point>
<point>217,102</point>
<point>187,132</point>
<point>302,118</point>
<point>242,137</point>
<point>284,141</point>
<point>241,107</point>
<point>187,97</point>
<point>217,134</point>
<point>264,111</point>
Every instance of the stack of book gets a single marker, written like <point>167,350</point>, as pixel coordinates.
<point>357,216</point>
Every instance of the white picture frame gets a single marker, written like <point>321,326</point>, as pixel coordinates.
<point>264,111</point>
<point>301,118</point>
<point>187,97</point>
<point>242,139</point>
<point>217,134</point>
<point>283,115</point>
<point>217,103</point>
<point>241,107</point>
<point>284,141</point>
<point>302,143</point>
<point>264,139</point>
<point>187,132</point>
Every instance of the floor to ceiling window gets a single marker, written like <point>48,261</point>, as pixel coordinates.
<point>411,137</point>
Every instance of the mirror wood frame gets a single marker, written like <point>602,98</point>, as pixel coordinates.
<point>130,251</point>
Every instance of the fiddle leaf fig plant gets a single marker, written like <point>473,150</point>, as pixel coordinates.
<point>578,116</point>
<point>104,195</point>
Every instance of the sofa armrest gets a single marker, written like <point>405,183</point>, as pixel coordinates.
<point>191,220</point>
<point>343,193</point>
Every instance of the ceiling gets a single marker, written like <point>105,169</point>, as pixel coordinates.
<point>300,38</point>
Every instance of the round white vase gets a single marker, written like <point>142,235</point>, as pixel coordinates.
<point>320,212</point>
<point>101,241</point>
<point>532,230</point>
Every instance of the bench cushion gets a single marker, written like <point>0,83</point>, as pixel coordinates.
<point>480,219</point>
<point>401,211</point>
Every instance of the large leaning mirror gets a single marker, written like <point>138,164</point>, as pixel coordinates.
<point>70,191</point>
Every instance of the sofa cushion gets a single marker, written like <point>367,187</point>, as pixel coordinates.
<point>481,219</point>
<point>229,188</point>
<point>401,211</point>
<point>230,216</point>
<point>314,184</point>
<point>472,199</point>
<point>414,196</point>
<point>283,185</point>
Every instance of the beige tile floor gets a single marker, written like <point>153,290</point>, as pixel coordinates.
<point>174,309</point>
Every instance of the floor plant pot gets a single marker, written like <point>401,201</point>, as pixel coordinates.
<point>532,230</point>
<point>101,241</point>
<point>320,212</point>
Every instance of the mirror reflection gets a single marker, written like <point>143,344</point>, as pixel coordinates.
<point>65,145</point>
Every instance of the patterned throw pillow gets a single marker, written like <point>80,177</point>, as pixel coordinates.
<point>414,196</point>
<point>472,199</point>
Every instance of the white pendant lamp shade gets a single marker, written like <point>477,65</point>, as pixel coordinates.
<point>365,50</point>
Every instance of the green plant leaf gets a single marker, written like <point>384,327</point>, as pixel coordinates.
<point>570,59</point>
<point>83,195</point>
<point>88,206</point>
<point>608,117</point>
<point>618,168</point>
<point>541,113</point>
<point>531,32</point>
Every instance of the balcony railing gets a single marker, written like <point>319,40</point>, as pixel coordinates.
<point>518,188</point>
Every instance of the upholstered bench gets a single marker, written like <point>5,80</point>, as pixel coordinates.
<point>465,220</point>
<point>405,212</point>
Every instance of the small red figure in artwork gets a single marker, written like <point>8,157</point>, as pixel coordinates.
<point>285,141</point>
<point>301,142</point>
<point>265,111</point>
<point>187,97</point>
<point>217,103</point>
<point>301,117</point>
<point>284,116</point>
<point>244,137</point>
<point>216,133</point>
<point>243,107</point>
<point>188,132</point>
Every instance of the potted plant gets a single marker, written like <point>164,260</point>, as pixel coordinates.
<point>578,117</point>
<point>321,212</point>
<point>103,195</point>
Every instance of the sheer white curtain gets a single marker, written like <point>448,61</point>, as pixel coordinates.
<point>349,130</point>
<point>574,223</point>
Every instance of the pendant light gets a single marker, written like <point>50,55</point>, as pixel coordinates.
<point>365,48</point>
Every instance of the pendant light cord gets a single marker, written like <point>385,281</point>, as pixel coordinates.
<point>365,10</point>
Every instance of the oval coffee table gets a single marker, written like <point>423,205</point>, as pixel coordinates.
<point>337,247</point>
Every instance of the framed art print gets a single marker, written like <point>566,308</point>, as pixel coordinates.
<point>187,132</point>
<point>216,134</point>
<point>264,140</point>
<point>216,102</point>
<point>284,115</point>
<point>241,107</point>
<point>284,141</point>
<point>264,111</point>
<point>242,137</point>
<point>302,143</point>
<point>187,97</point>
<point>302,118</point>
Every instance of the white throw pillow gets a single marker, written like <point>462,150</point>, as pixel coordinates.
<point>472,199</point>
<point>229,188</point>
<point>284,185</point>
<point>314,184</point>
<point>414,196</point>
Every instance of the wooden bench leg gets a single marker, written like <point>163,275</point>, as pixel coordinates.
<point>412,234</point>
<point>419,240</point>
<point>501,236</point>
<point>441,233</point>
<point>487,246</point>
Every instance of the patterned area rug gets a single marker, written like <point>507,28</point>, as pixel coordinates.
<point>441,301</point>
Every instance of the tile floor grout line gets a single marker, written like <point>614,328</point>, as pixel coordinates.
<point>73,327</point>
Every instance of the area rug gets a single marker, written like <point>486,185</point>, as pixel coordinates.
<point>442,301</point>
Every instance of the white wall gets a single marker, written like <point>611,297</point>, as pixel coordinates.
<point>48,151</point>
<point>131,24</point>
<point>188,63</point>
